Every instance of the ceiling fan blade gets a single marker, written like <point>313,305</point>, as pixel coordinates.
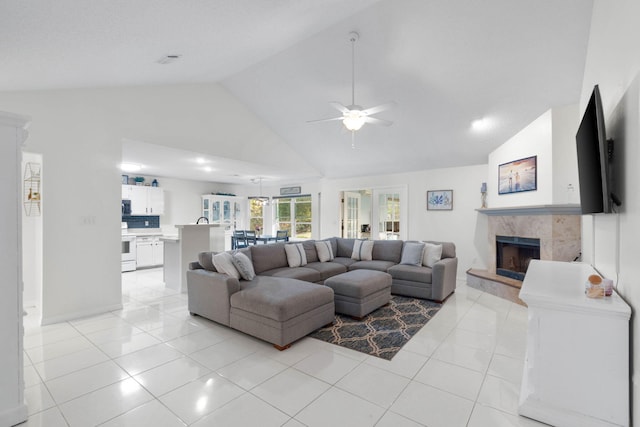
<point>376,121</point>
<point>325,120</point>
<point>378,108</point>
<point>339,107</point>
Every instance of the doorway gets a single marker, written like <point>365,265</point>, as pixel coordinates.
<point>376,213</point>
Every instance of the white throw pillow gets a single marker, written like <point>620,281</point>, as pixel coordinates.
<point>224,264</point>
<point>432,254</point>
<point>296,257</point>
<point>362,250</point>
<point>325,252</point>
<point>412,253</point>
<point>244,266</point>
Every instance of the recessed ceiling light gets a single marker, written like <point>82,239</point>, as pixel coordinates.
<point>201,160</point>
<point>207,168</point>
<point>168,59</point>
<point>481,124</point>
<point>130,167</point>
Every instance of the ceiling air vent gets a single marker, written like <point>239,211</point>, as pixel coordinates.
<point>168,59</point>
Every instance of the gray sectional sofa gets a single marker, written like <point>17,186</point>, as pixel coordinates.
<point>281,304</point>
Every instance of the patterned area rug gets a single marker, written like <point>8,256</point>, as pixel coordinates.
<point>383,332</point>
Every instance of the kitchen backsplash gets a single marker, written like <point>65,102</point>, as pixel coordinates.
<point>141,221</point>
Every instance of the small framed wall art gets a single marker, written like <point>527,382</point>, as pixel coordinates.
<point>439,200</point>
<point>518,175</point>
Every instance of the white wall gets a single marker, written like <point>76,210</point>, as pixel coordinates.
<point>565,121</point>
<point>462,225</point>
<point>79,133</point>
<point>31,248</point>
<point>614,64</point>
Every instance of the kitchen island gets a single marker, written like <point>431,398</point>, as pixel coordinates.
<point>183,248</point>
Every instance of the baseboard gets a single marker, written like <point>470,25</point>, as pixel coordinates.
<point>48,320</point>
<point>13,416</point>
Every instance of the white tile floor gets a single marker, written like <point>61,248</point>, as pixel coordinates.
<point>152,364</point>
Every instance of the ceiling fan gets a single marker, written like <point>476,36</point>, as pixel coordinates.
<point>355,116</point>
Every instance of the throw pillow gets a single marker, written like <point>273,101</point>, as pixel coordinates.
<point>432,254</point>
<point>362,250</point>
<point>206,260</point>
<point>412,253</point>
<point>244,266</point>
<point>325,253</point>
<point>224,264</point>
<point>296,256</point>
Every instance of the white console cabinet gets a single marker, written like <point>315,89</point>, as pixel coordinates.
<point>577,364</point>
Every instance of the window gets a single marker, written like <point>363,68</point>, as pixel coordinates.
<point>256,217</point>
<point>294,214</point>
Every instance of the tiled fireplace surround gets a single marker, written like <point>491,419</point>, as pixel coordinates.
<point>557,226</point>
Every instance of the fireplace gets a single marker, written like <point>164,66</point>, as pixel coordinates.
<point>513,255</point>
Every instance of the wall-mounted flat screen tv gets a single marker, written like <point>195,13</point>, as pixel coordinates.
<point>594,159</point>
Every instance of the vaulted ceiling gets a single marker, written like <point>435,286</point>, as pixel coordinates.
<point>445,64</point>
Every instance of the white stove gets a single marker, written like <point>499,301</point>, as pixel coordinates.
<point>128,249</point>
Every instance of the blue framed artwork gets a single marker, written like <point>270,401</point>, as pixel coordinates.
<point>440,200</point>
<point>518,176</point>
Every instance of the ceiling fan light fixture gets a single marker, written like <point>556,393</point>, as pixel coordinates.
<point>353,121</point>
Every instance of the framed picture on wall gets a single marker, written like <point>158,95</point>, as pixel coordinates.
<point>439,200</point>
<point>518,175</point>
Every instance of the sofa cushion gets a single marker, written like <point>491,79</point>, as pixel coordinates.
<point>224,264</point>
<point>300,273</point>
<point>362,250</point>
<point>310,250</point>
<point>448,248</point>
<point>327,269</point>
<point>387,250</point>
<point>324,251</point>
<point>296,256</point>
<point>412,253</point>
<point>281,299</point>
<point>344,261</point>
<point>372,265</point>
<point>432,254</point>
<point>206,260</point>
<point>243,265</point>
<point>268,257</point>
<point>344,247</point>
<point>411,273</point>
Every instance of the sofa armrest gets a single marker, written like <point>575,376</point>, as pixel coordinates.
<point>443,280</point>
<point>208,294</point>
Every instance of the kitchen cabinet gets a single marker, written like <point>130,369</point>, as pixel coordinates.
<point>149,251</point>
<point>230,212</point>
<point>145,200</point>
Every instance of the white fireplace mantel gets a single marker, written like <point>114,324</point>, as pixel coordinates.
<point>570,209</point>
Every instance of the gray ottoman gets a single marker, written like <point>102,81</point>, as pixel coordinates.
<point>359,292</point>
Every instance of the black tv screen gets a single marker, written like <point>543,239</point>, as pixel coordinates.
<point>593,159</point>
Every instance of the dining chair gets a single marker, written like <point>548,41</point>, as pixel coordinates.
<point>239,239</point>
<point>282,236</point>
<point>250,237</point>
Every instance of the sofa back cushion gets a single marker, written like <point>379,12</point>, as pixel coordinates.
<point>310,251</point>
<point>268,257</point>
<point>344,247</point>
<point>387,250</point>
<point>448,248</point>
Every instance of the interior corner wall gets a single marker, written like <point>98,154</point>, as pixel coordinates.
<point>565,121</point>
<point>534,140</point>
<point>614,64</point>
<point>31,248</point>
<point>463,225</point>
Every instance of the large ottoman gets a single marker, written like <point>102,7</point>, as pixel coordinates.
<point>359,292</point>
<point>281,310</point>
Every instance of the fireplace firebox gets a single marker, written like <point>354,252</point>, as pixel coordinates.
<point>513,255</point>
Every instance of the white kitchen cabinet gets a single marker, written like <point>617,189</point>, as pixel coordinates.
<point>577,362</point>
<point>145,200</point>
<point>228,211</point>
<point>149,251</point>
